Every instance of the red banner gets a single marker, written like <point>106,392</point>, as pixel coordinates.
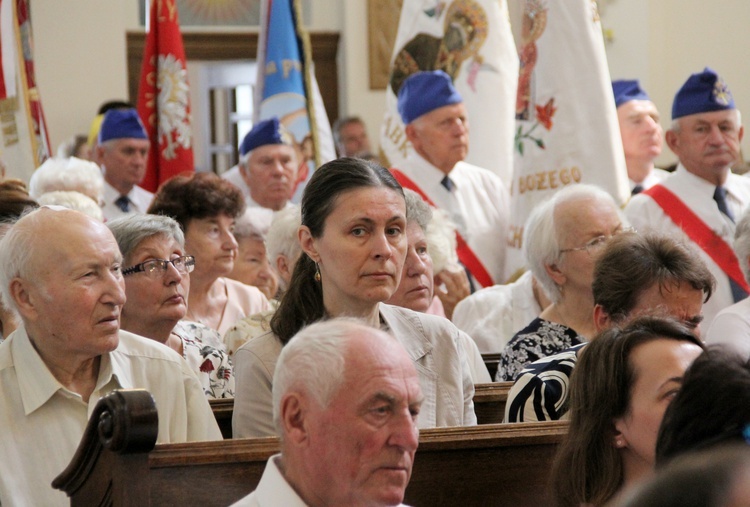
<point>164,99</point>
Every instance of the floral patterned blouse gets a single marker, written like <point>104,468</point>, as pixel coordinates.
<point>210,363</point>
<point>541,338</point>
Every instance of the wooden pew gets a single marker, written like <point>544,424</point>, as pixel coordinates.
<point>117,463</point>
<point>489,405</point>
<point>222,410</point>
<point>491,361</point>
<point>489,401</point>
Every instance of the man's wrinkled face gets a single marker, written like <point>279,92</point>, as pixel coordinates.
<point>271,173</point>
<point>640,130</point>
<point>76,288</point>
<point>441,136</point>
<point>365,440</point>
<point>124,162</point>
<point>707,144</point>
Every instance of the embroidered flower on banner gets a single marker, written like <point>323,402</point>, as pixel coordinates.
<point>174,123</point>
<point>544,116</point>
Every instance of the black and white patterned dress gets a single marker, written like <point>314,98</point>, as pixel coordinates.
<point>541,338</point>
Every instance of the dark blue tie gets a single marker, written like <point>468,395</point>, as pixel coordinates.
<point>637,189</point>
<point>448,184</point>
<point>123,203</point>
<point>720,196</point>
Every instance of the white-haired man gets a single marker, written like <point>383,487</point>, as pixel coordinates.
<point>699,202</point>
<point>345,401</point>
<point>61,271</point>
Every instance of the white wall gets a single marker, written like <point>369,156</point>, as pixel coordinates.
<point>80,52</point>
<point>79,57</point>
<point>662,42</point>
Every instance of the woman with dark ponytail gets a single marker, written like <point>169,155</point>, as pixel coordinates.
<point>353,236</point>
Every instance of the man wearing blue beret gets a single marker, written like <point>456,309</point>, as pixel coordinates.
<point>122,150</point>
<point>641,134</point>
<point>267,172</point>
<point>474,198</point>
<point>701,200</point>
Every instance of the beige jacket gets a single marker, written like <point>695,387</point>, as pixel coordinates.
<point>432,343</point>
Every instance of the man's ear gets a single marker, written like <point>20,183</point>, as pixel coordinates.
<point>601,318</point>
<point>412,134</point>
<point>673,141</point>
<point>293,410</point>
<point>25,302</point>
<point>307,242</point>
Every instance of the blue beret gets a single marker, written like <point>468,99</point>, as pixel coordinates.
<point>423,92</point>
<point>626,90</point>
<point>265,132</point>
<point>121,123</point>
<point>702,93</point>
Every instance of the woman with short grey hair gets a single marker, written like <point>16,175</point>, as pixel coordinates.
<point>563,238</point>
<point>157,282</point>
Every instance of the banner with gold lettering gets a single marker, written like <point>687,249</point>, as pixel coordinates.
<point>566,121</point>
<point>286,86</point>
<point>472,42</point>
<point>164,97</point>
<point>25,144</point>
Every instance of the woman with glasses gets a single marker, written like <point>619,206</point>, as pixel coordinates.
<point>157,282</point>
<point>206,208</point>
<point>563,237</point>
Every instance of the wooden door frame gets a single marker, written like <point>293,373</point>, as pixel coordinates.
<point>217,46</point>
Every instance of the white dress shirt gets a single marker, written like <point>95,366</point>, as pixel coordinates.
<point>479,206</point>
<point>42,422</point>
<point>140,200</point>
<point>273,490</point>
<point>492,316</point>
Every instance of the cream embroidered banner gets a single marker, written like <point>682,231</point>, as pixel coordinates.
<point>566,130</point>
<point>472,42</point>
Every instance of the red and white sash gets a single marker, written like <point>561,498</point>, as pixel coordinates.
<point>700,233</point>
<point>465,254</point>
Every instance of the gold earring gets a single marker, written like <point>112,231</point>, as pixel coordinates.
<point>317,272</point>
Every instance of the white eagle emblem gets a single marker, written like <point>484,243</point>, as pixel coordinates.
<point>174,123</point>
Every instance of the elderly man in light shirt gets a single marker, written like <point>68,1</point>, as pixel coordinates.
<point>476,200</point>
<point>345,401</point>
<point>122,152</point>
<point>61,272</point>
<point>268,168</point>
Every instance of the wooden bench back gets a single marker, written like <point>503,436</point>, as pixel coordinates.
<point>489,405</point>
<point>117,463</point>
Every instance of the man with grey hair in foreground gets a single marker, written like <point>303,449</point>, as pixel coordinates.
<point>345,402</point>
<point>60,270</point>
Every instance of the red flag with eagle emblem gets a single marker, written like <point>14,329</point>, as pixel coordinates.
<point>163,97</point>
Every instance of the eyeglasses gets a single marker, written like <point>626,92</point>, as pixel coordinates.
<point>598,242</point>
<point>155,268</point>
